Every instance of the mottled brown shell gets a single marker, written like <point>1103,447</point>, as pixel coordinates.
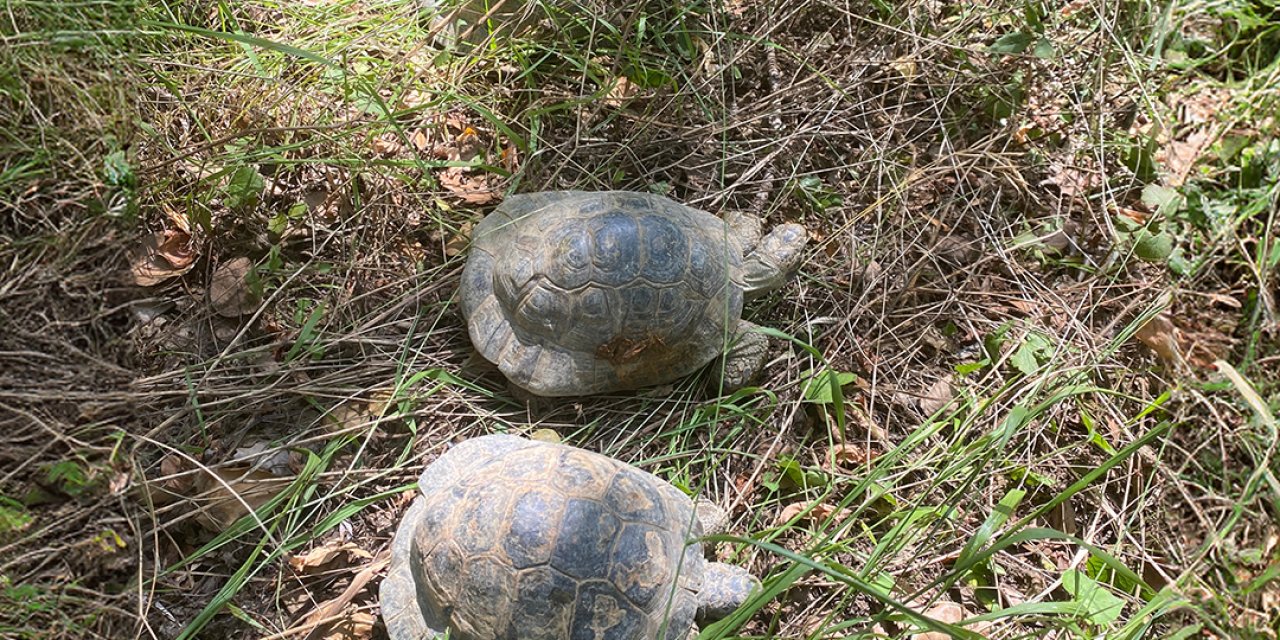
<point>574,293</point>
<point>514,538</point>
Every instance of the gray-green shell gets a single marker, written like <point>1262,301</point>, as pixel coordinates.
<point>518,539</point>
<point>574,293</point>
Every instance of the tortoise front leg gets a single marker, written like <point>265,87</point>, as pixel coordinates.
<point>725,587</point>
<point>744,359</point>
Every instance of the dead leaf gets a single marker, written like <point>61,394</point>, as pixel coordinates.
<point>457,121</point>
<point>331,616</point>
<point>315,198</point>
<point>859,419</point>
<point>1025,307</point>
<point>906,67</point>
<point>413,98</point>
<point>226,494</point>
<point>349,416</point>
<point>1138,217</point>
<point>1059,241</point>
<point>936,396</point>
<point>381,402</point>
<point>163,255</point>
<point>852,454</point>
<point>1072,7</point>
<point>958,250</point>
<point>1179,156</point>
<point>872,272</point>
<point>1200,106</point>
<point>419,140</point>
<point>457,242</point>
<point>172,469</point>
<point>1073,181</point>
<point>229,291</point>
<point>790,512</point>
<point>328,206</point>
<point>820,512</point>
<point>1159,335</point>
<point>622,91</point>
<point>1020,134</point>
<point>473,189</point>
<point>387,146</point>
<point>180,219</point>
<point>357,625</point>
<point>325,554</point>
<point>264,455</point>
<point>119,482</point>
<point>948,612</point>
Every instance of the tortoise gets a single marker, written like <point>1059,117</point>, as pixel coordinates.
<point>521,539</point>
<point>576,293</point>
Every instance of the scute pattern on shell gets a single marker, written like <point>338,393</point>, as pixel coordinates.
<point>579,292</point>
<point>524,539</point>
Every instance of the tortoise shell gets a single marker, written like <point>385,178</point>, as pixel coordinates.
<point>574,293</point>
<point>514,538</point>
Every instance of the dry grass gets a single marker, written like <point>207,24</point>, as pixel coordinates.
<point>969,265</point>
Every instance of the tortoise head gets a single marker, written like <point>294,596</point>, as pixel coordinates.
<point>725,587</point>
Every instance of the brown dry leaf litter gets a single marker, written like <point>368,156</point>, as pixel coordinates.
<point>1075,178</point>
<point>937,396</point>
<point>820,512</point>
<point>419,140</point>
<point>354,625</point>
<point>387,146</point>
<point>852,454</point>
<point>335,618</point>
<point>877,307</point>
<point>163,255</point>
<point>271,458</point>
<point>225,495</point>
<point>948,612</point>
<point>458,242</point>
<point>172,476</point>
<point>229,290</point>
<point>326,553</point>
<point>622,91</point>
<point>350,416</point>
<point>1179,156</point>
<point>1160,336</point>
<point>470,188</point>
<point>1196,131</point>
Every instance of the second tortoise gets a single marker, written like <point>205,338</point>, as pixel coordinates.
<point>512,539</point>
<point>577,293</point>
